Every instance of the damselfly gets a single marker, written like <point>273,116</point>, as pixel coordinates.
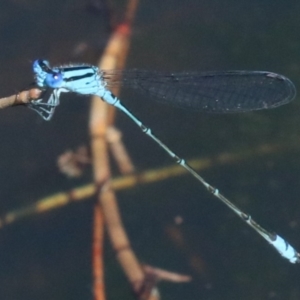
<point>218,92</point>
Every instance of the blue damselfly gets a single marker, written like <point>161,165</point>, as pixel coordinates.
<point>215,92</point>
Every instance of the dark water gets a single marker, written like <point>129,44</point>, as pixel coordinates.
<point>48,256</point>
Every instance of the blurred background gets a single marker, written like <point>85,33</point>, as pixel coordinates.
<point>49,256</point>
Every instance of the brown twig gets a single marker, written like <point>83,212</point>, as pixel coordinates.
<point>21,98</point>
<point>163,275</point>
<point>101,117</point>
<point>99,287</point>
<point>149,176</point>
<point>120,241</point>
<point>119,152</point>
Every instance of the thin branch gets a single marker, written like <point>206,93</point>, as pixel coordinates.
<point>146,177</point>
<point>98,268</point>
<point>21,98</point>
<point>101,118</point>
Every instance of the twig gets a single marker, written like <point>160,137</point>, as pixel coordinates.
<point>149,176</point>
<point>164,275</point>
<point>114,139</point>
<point>98,268</point>
<point>101,117</point>
<point>21,98</point>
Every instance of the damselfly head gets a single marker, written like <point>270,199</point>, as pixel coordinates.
<point>54,80</point>
<point>40,65</point>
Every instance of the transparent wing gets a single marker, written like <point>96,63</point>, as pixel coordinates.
<point>220,92</point>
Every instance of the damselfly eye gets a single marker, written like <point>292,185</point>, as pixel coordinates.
<point>54,80</point>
